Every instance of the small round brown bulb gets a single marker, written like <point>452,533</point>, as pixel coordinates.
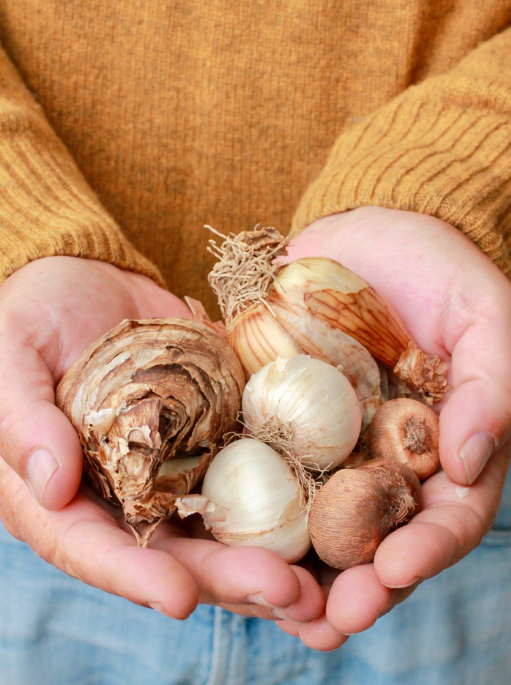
<point>407,431</point>
<point>357,508</point>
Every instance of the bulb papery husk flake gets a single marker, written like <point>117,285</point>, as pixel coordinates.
<point>425,372</point>
<point>151,401</point>
<point>329,293</point>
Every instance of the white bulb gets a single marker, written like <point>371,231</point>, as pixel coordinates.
<point>314,400</point>
<point>255,499</point>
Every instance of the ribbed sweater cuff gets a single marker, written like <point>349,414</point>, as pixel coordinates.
<point>442,148</point>
<point>48,209</point>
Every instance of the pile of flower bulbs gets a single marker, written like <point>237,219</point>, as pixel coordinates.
<point>308,336</point>
<point>323,456</point>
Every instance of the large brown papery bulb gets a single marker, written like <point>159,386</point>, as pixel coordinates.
<point>151,401</point>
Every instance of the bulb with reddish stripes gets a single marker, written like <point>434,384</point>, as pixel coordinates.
<point>315,306</point>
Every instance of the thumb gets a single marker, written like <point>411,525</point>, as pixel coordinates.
<point>36,439</point>
<point>476,418</point>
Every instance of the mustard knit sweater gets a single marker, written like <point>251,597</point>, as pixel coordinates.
<point>125,125</point>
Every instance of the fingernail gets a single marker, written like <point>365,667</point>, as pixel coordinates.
<point>157,606</point>
<point>258,598</point>
<point>415,579</point>
<point>40,468</point>
<point>475,453</point>
<point>279,613</point>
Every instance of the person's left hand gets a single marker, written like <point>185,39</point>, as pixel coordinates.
<point>457,304</point>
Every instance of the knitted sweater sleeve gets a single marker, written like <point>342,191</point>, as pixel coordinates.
<point>46,206</point>
<point>442,148</point>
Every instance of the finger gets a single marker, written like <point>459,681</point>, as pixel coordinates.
<point>297,613</point>
<point>476,418</point>
<point>311,602</point>
<point>318,634</point>
<point>83,540</point>
<point>246,575</point>
<point>453,522</point>
<point>358,599</point>
<point>152,301</point>
<point>36,439</point>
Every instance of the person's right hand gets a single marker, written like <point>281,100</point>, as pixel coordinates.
<point>50,311</point>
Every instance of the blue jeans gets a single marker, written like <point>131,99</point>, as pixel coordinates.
<point>54,630</point>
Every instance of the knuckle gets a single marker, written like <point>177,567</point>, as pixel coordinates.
<point>17,515</point>
<point>54,549</point>
<point>12,494</point>
<point>9,420</point>
<point>45,544</point>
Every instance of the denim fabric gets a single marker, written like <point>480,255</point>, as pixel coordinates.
<point>454,630</point>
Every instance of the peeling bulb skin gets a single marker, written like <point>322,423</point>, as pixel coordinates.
<point>380,331</point>
<point>357,508</point>
<point>259,339</point>
<point>147,393</point>
<point>313,274</point>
